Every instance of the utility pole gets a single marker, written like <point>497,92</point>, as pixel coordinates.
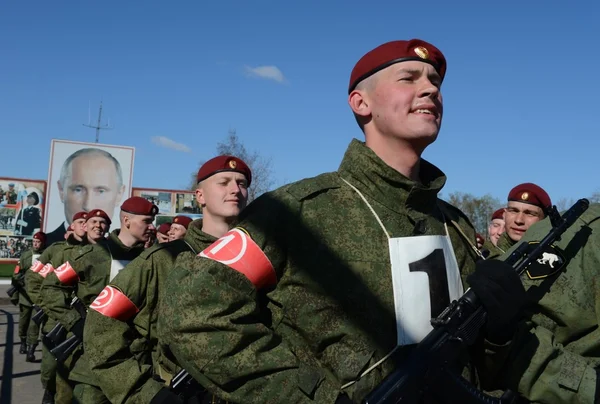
<point>98,127</point>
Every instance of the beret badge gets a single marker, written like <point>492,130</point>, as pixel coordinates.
<point>232,164</point>
<point>422,52</point>
<point>525,196</point>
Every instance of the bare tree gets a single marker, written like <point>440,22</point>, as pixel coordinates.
<point>261,166</point>
<point>478,209</point>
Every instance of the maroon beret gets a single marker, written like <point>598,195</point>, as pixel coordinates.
<point>79,215</point>
<point>139,206</point>
<point>40,236</point>
<point>499,214</point>
<point>164,228</point>
<point>395,52</point>
<point>98,213</point>
<point>531,194</point>
<point>183,220</point>
<point>221,164</point>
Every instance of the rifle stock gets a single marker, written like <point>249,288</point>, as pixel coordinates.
<point>459,325</point>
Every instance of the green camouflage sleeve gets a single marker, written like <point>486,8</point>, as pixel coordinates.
<point>120,358</point>
<point>213,323</point>
<point>56,301</point>
<point>33,283</point>
<point>552,359</point>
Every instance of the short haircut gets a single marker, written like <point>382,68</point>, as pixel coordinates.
<point>65,172</point>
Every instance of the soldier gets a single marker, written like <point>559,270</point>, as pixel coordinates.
<point>179,227</point>
<point>527,204</point>
<point>555,355</point>
<point>120,337</point>
<point>316,287</point>
<point>28,330</point>
<point>89,270</point>
<point>11,195</point>
<point>162,233</point>
<point>496,226</point>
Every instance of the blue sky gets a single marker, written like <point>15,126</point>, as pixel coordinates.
<point>521,92</point>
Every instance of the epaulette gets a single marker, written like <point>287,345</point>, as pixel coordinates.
<point>174,247</point>
<point>309,187</point>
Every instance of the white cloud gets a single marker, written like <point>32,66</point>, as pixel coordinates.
<point>170,144</point>
<point>266,72</point>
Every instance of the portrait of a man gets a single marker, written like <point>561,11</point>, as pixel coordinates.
<point>89,178</point>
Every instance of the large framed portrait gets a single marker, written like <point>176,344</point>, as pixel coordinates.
<point>83,177</point>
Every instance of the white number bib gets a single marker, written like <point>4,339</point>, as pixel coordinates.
<point>426,279</point>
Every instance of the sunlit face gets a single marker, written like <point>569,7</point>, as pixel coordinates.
<point>96,228</point>
<point>93,185</point>
<point>518,217</point>
<point>140,227</point>
<point>495,229</point>
<point>78,227</point>
<point>177,232</point>
<point>223,195</point>
<point>162,238</point>
<point>403,102</point>
<point>37,244</point>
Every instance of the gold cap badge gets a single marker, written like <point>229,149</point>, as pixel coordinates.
<point>232,164</point>
<point>97,213</point>
<point>422,52</point>
<point>525,196</point>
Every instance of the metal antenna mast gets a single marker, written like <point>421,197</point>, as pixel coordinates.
<point>98,127</point>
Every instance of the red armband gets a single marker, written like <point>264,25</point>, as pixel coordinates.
<point>17,269</point>
<point>46,270</point>
<point>37,266</point>
<point>66,274</point>
<point>111,302</point>
<point>237,250</point>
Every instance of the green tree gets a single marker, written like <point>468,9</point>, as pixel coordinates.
<point>479,210</point>
<point>261,166</point>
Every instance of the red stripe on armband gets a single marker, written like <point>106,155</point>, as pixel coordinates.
<point>111,302</point>
<point>46,270</point>
<point>237,250</point>
<point>37,266</point>
<point>66,274</point>
<point>17,269</point>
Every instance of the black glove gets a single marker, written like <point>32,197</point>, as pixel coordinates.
<point>503,296</point>
<point>77,329</point>
<point>166,396</point>
<point>343,399</point>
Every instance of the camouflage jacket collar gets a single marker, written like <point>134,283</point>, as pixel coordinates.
<point>505,242</point>
<point>366,171</point>
<point>113,238</point>
<point>196,238</point>
<point>71,240</point>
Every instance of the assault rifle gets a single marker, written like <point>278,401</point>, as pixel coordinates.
<point>456,327</point>
<point>65,348</point>
<point>17,285</point>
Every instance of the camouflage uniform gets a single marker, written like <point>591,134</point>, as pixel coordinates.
<point>28,330</point>
<point>332,313</point>
<point>505,243</point>
<point>34,283</point>
<point>92,264</point>
<point>58,253</point>
<point>553,357</point>
<point>123,352</point>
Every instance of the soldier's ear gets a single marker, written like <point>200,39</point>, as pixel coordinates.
<point>200,196</point>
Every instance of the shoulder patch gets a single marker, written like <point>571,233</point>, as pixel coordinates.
<point>113,303</point>
<point>306,188</point>
<point>550,262</point>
